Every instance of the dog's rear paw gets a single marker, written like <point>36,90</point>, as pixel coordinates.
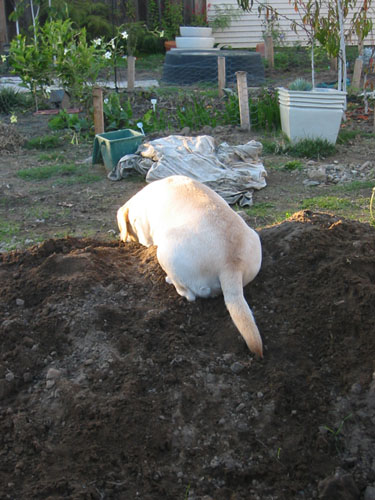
<point>168,280</point>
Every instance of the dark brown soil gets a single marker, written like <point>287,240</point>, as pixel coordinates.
<point>112,386</point>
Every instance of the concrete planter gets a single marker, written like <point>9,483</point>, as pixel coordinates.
<point>196,31</point>
<point>311,114</point>
<point>194,42</point>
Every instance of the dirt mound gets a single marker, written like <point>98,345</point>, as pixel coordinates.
<point>114,387</point>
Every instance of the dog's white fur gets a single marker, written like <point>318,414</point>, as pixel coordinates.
<point>202,244</point>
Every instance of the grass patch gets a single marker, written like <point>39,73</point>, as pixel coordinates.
<point>264,209</point>
<point>356,186</point>
<point>65,174</point>
<point>46,172</point>
<point>44,142</point>
<point>326,203</point>
<point>38,212</point>
<point>8,230</point>
<point>45,157</point>
<point>306,148</point>
<point>345,136</point>
<point>311,148</point>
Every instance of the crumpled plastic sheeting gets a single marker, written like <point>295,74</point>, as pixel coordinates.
<point>232,171</point>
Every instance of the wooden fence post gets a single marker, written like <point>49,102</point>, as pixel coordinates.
<point>97,98</point>
<point>243,98</point>
<point>268,51</point>
<point>131,72</point>
<point>221,75</point>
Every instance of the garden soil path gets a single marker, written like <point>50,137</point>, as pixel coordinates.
<point>112,386</point>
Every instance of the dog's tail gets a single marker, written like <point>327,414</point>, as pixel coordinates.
<point>240,312</point>
<point>123,221</point>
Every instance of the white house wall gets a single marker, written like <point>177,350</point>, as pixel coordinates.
<point>248,30</point>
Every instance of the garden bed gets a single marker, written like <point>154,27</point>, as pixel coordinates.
<point>112,386</point>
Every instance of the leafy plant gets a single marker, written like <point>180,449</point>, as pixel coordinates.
<point>293,165</point>
<point>73,122</point>
<point>68,120</point>
<point>116,114</point>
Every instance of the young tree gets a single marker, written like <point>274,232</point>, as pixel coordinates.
<point>324,21</point>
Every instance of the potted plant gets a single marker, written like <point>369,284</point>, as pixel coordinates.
<point>310,113</point>
<point>306,113</point>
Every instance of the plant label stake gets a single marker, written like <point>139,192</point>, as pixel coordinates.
<point>221,74</point>
<point>97,97</point>
<point>131,72</point>
<point>243,98</point>
<point>140,126</point>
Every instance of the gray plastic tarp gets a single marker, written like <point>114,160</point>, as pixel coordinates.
<point>232,171</point>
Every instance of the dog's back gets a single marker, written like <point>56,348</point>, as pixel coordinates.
<point>203,246</point>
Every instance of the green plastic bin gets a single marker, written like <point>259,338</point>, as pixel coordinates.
<point>109,147</point>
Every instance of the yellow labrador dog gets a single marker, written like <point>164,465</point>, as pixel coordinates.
<point>204,247</point>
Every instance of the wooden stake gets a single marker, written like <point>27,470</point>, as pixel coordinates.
<point>268,51</point>
<point>357,72</point>
<point>97,97</point>
<point>221,75</point>
<point>131,72</point>
<point>243,98</point>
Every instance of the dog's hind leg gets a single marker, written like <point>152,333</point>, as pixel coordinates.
<point>182,290</point>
